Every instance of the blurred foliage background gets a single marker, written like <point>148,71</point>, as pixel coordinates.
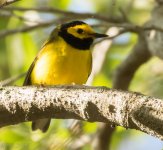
<point>17,52</point>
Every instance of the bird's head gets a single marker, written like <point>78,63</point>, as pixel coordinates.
<point>79,34</point>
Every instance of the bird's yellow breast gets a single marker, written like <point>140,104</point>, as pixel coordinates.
<point>59,63</point>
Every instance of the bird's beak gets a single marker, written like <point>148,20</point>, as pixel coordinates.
<point>99,35</point>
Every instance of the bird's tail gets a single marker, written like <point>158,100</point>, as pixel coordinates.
<point>42,124</point>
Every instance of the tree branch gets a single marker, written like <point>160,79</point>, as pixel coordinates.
<point>127,109</point>
<point>6,2</point>
<point>125,72</point>
<point>29,28</point>
<point>104,137</point>
<point>12,79</point>
<point>68,13</point>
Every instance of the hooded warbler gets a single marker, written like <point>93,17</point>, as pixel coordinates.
<point>65,58</point>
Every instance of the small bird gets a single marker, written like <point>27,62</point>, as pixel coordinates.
<point>65,58</point>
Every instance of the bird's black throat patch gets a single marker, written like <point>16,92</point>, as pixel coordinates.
<point>81,44</point>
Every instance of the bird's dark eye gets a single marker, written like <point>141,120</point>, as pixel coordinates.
<point>80,31</point>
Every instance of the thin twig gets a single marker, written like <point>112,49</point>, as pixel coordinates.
<point>11,14</point>
<point>24,29</point>
<point>69,13</point>
<point>12,79</point>
<point>30,28</point>
<point>8,3</point>
<point>111,37</point>
<point>124,15</point>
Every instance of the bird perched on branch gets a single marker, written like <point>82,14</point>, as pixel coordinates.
<point>65,58</point>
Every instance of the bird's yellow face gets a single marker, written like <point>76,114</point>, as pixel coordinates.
<point>78,34</point>
<point>81,31</point>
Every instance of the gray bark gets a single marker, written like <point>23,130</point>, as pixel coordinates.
<point>93,104</point>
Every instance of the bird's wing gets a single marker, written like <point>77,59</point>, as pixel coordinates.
<point>90,66</point>
<point>27,80</point>
<point>52,37</point>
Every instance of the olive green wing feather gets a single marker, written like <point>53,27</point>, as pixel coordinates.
<point>90,66</point>
<point>27,80</point>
